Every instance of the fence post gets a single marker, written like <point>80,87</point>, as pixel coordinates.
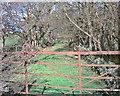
<point>25,73</point>
<point>80,70</point>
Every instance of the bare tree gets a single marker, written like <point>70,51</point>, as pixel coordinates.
<point>96,24</point>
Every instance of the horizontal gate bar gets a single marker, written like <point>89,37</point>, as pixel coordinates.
<point>60,75</point>
<point>70,53</point>
<point>39,84</point>
<point>77,88</point>
<point>74,64</point>
<point>101,89</point>
<point>67,64</point>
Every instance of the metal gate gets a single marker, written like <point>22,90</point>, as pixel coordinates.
<point>25,55</point>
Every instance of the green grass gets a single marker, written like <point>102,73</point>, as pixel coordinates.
<point>12,40</point>
<point>55,80</point>
<point>65,69</point>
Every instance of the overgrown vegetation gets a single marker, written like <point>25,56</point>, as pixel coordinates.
<point>65,26</point>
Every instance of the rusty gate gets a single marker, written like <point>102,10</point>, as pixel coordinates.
<point>31,54</point>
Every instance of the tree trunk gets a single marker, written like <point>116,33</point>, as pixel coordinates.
<point>2,36</point>
<point>90,27</point>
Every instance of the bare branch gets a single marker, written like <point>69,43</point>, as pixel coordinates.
<point>81,28</point>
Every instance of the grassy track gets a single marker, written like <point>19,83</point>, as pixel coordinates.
<point>55,80</point>
<point>65,69</point>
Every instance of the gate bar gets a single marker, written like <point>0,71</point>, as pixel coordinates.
<point>99,65</point>
<point>70,53</point>
<point>76,88</point>
<point>59,75</point>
